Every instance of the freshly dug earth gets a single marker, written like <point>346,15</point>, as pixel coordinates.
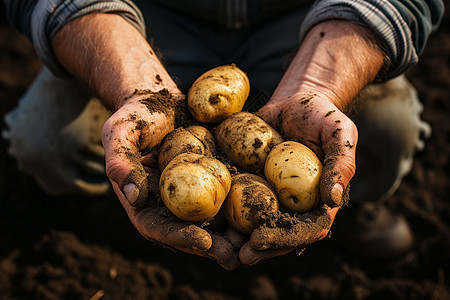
<point>78,248</point>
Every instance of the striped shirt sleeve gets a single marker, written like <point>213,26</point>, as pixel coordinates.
<point>403,26</point>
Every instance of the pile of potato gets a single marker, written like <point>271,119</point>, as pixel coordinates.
<point>195,184</point>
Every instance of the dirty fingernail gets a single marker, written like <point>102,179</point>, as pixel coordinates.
<point>131,193</point>
<point>336,193</point>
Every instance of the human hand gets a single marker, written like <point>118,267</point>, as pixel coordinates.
<point>315,122</point>
<point>132,134</point>
<point>131,137</point>
<point>335,61</point>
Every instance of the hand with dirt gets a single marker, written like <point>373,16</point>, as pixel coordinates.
<point>130,139</point>
<point>146,102</point>
<point>315,122</point>
<point>336,60</point>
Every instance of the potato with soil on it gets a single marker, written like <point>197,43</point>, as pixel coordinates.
<point>250,203</point>
<point>218,93</point>
<point>193,186</point>
<point>195,139</point>
<point>246,139</point>
<point>294,170</point>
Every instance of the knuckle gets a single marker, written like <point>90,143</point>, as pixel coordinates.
<point>113,167</point>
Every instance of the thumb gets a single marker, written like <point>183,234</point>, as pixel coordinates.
<point>339,164</point>
<point>133,129</point>
<point>123,160</point>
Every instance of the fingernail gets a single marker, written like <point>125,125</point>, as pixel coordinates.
<point>336,193</point>
<point>131,193</point>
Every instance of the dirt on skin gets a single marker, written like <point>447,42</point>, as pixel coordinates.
<point>165,102</point>
<point>290,230</point>
<point>86,248</point>
<point>162,102</point>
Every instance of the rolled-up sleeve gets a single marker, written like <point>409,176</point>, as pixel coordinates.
<point>40,20</point>
<point>403,26</point>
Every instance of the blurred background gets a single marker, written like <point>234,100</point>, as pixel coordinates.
<point>85,248</point>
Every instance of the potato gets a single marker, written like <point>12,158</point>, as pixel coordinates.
<point>193,186</point>
<point>218,93</point>
<point>195,139</point>
<point>294,170</point>
<point>247,139</point>
<point>249,203</point>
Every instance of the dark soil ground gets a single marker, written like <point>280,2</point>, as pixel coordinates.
<point>78,248</point>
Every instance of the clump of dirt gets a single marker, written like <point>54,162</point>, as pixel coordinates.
<point>165,102</point>
<point>291,230</point>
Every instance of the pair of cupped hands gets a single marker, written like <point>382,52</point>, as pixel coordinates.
<point>131,137</point>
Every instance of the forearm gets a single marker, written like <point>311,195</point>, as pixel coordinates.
<point>111,56</point>
<point>403,26</point>
<point>336,59</point>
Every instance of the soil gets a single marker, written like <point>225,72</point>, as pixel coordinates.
<point>85,248</point>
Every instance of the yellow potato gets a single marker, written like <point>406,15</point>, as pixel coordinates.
<point>218,93</point>
<point>250,202</point>
<point>246,139</point>
<point>193,186</point>
<point>294,170</point>
<point>195,139</point>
